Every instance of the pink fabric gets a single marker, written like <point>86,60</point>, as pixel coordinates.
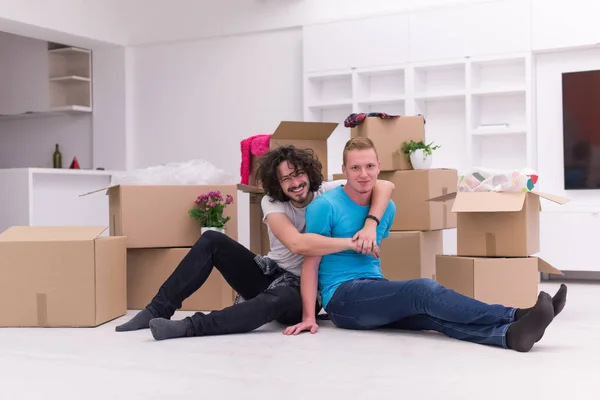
<point>255,145</point>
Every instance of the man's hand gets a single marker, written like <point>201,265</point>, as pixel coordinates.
<point>365,240</point>
<point>309,325</point>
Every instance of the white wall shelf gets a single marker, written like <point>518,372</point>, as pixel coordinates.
<point>70,78</point>
<point>477,109</point>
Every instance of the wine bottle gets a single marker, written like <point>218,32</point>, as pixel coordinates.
<point>57,159</point>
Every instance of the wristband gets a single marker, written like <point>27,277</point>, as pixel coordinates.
<point>374,218</point>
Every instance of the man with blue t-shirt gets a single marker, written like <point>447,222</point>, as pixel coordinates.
<point>357,296</point>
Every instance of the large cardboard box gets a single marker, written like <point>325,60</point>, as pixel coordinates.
<point>156,216</point>
<point>303,135</point>
<point>410,255</point>
<point>259,232</point>
<point>388,135</point>
<point>413,190</point>
<point>148,269</point>
<point>498,224</point>
<point>512,282</point>
<point>61,277</point>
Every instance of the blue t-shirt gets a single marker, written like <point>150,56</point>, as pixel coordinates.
<point>335,214</point>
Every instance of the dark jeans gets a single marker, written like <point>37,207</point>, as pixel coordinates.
<point>418,305</point>
<point>237,265</point>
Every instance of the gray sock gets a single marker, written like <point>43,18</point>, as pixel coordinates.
<point>140,321</point>
<point>165,329</point>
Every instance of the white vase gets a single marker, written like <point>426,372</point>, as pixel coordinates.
<point>420,160</point>
<point>210,228</point>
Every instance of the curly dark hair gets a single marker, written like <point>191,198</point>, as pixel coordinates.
<point>301,159</point>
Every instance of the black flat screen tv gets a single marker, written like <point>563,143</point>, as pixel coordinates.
<point>581,129</point>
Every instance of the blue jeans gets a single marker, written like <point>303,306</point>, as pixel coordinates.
<point>418,305</point>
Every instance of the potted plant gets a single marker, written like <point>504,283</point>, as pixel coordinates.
<point>419,153</point>
<point>209,211</point>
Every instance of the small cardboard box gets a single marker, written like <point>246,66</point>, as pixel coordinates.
<point>61,277</point>
<point>498,224</point>
<point>259,232</point>
<point>512,282</point>
<point>388,135</point>
<point>413,190</point>
<point>156,216</point>
<point>410,255</point>
<point>148,269</point>
<point>303,135</point>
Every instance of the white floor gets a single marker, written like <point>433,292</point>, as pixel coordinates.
<point>333,364</point>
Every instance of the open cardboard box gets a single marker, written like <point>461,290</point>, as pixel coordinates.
<point>303,135</point>
<point>156,216</point>
<point>498,224</point>
<point>259,232</point>
<point>61,276</point>
<point>511,282</point>
<point>388,135</point>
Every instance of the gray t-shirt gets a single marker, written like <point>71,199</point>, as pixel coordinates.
<point>279,253</point>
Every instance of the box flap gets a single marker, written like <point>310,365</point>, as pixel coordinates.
<point>250,189</point>
<point>444,197</point>
<point>552,197</point>
<point>304,130</point>
<point>51,233</point>
<point>488,202</point>
<point>98,190</point>
<point>546,268</point>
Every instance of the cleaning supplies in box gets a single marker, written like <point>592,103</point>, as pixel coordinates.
<point>488,180</point>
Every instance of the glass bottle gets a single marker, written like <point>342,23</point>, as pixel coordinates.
<point>57,159</point>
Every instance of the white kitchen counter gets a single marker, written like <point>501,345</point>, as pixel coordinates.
<point>51,197</point>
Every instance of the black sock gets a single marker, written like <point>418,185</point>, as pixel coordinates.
<point>558,303</point>
<point>560,299</point>
<point>165,329</point>
<point>523,334</point>
<point>140,321</point>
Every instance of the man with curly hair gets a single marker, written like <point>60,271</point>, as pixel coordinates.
<point>268,284</point>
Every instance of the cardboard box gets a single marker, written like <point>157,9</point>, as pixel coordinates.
<point>148,269</point>
<point>388,135</point>
<point>512,282</point>
<point>339,177</point>
<point>410,255</point>
<point>498,224</point>
<point>413,190</point>
<point>303,135</point>
<point>61,277</point>
<point>259,232</point>
<point>156,216</point>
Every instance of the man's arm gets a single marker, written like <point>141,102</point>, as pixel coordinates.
<point>308,289</point>
<point>306,244</point>
<point>366,238</point>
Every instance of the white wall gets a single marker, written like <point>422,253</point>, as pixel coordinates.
<point>30,141</point>
<point>89,20</point>
<point>152,21</point>
<point>200,99</point>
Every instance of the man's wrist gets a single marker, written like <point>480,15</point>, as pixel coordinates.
<point>371,222</point>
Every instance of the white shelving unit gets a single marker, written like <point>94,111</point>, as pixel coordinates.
<point>70,79</point>
<point>478,109</point>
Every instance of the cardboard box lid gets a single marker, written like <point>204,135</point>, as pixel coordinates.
<point>543,265</point>
<point>493,201</point>
<point>304,130</point>
<point>51,233</point>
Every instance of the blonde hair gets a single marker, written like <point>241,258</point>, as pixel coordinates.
<point>359,143</point>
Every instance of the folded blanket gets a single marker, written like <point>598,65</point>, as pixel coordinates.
<point>253,146</point>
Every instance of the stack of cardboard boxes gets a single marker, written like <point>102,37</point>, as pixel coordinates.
<point>416,233</point>
<point>75,277</point>
<point>497,234</point>
<point>160,233</point>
